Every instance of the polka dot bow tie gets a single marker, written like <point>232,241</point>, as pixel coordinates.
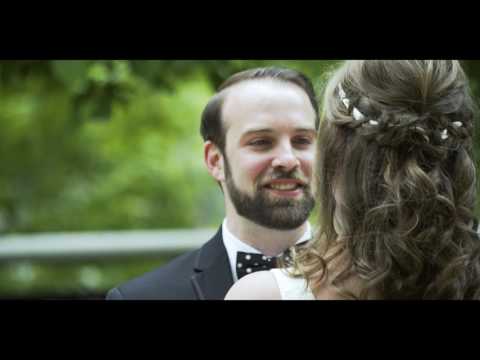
<point>249,262</point>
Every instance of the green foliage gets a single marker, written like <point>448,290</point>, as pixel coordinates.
<point>71,279</point>
<point>110,144</point>
<point>94,145</point>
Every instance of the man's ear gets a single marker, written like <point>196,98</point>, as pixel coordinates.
<point>214,160</point>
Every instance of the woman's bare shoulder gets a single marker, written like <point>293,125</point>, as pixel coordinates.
<point>260,285</point>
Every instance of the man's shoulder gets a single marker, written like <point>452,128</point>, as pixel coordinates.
<point>174,280</point>
<point>168,281</point>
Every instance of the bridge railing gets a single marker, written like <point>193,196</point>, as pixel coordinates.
<point>88,245</point>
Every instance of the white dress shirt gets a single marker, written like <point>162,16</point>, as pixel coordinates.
<point>234,245</point>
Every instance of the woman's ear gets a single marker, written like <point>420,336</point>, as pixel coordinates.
<point>214,160</point>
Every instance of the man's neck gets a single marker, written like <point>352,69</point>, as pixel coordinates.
<point>268,241</point>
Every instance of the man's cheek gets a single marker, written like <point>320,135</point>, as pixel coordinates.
<point>258,170</point>
<point>307,167</point>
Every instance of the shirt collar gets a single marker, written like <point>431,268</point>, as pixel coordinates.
<point>234,245</point>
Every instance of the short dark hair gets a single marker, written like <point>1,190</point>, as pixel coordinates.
<point>211,124</point>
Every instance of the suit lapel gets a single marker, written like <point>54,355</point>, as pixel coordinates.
<point>212,277</point>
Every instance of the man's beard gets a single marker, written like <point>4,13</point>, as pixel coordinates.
<point>262,209</point>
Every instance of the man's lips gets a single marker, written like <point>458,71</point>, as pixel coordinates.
<point>285,184</point>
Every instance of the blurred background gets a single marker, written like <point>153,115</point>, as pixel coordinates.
<point>101,168</point>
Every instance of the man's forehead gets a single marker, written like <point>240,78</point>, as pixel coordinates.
<point>263,95</point>
<point>250,91</point>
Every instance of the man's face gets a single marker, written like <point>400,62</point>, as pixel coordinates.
<point>270,137</point>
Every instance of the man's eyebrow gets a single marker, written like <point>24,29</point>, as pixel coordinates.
<point>269,131</point>
<point>307,130</point>
<point>257,131</point>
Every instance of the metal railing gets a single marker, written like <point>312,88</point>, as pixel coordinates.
<point>59,246</point>
<point>86,245</point>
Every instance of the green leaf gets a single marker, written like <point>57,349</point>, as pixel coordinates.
<point>72,73</point>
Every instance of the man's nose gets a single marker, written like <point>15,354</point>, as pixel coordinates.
<point>285,158</point>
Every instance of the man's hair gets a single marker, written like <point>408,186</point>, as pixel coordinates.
<point>211,127</point>
<point>395,146</point>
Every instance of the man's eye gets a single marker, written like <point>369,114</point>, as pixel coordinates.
<point>302,141</point>
<point>260,142</point>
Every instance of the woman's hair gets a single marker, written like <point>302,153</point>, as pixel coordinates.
<point>396,183</point>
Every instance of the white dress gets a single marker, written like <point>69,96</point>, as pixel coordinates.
<point>291,288</point>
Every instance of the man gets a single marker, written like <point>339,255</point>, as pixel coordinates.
<point>260,133</point>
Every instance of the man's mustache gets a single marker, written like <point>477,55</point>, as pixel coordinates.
<point>285,175</point>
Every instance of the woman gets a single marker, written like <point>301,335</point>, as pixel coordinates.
<point>396,190</point>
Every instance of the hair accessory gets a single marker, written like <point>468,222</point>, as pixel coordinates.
<point>343,96</point>
<point>444,134</point>
<point>357,115</point>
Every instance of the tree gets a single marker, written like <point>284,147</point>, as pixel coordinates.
<point>89,145</point>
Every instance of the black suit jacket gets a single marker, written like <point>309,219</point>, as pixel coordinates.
<point>202,274</point>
